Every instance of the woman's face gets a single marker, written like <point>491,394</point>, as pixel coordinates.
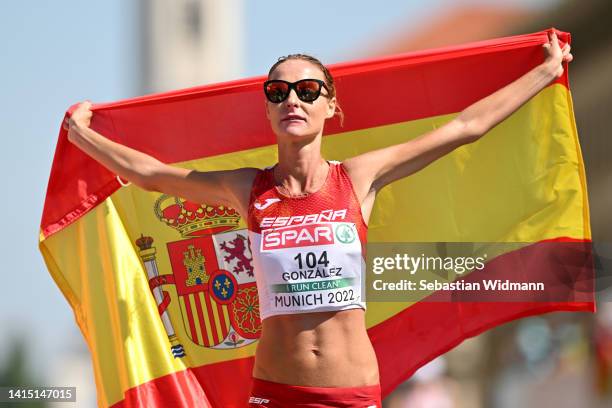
<point>295,119</point>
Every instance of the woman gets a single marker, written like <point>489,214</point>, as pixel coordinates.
<point>314,349</point>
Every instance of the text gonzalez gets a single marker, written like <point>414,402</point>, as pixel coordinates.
<point>412,264</point>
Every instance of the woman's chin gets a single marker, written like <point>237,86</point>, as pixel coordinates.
<point>293,131</point>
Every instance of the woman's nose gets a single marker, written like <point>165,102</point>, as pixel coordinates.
<point>292,98</point>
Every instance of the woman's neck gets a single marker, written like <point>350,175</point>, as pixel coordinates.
<point>301,168</point>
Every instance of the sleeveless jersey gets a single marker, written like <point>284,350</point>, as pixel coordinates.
<point>308,250</point>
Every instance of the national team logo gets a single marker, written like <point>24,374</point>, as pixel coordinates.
<point>212,273</point>
<point>345,233</point>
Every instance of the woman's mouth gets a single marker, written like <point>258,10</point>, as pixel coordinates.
<point>293,118</point>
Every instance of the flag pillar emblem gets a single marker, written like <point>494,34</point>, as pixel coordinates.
<point>162,298</point>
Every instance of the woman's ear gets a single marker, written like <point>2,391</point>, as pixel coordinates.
<point>267,109</point>
<point>331,108</point>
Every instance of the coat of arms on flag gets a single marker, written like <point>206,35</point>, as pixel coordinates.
<point>212,274</point>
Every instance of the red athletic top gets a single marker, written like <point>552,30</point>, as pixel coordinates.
<point>308,250</point>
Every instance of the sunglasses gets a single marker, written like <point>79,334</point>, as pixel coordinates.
<point>307,90</point>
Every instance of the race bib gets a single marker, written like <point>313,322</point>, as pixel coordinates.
<point>309,267</point>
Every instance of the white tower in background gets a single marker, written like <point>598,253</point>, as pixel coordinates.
<point>186,43</point>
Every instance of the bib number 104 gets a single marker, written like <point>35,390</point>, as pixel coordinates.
<point>310,260</point>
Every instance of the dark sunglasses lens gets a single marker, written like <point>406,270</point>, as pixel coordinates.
<point>277,91</point>
<point>307,90</point>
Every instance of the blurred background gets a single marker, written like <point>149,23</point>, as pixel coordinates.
<point>55,53</point>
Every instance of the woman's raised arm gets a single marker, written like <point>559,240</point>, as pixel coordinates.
<point>373,170</point>
<point>227,187</point>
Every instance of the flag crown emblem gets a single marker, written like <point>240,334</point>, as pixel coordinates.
<point>190,218</point>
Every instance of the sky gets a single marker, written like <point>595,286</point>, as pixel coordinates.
<point>55,53</point>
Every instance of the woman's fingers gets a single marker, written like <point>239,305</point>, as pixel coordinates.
<point>552,46</point>
<point>554,51</point>
<point>567,55</point>
<point>83,107</point>
<point>82,114</point>
<point>557,54</point>
<point>553,39</point>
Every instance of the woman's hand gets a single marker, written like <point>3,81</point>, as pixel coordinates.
<point>80,119</point>
<point>555,55</point>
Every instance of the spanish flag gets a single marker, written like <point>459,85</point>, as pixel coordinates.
<point>163,289</point>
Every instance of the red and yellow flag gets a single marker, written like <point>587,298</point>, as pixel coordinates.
<point>163,289</point>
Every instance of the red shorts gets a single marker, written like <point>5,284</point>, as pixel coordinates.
<point>268,394</point>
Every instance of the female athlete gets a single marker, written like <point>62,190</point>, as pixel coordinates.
<point>314,350</point>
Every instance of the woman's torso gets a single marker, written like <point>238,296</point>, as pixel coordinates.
<point>311,343</point>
